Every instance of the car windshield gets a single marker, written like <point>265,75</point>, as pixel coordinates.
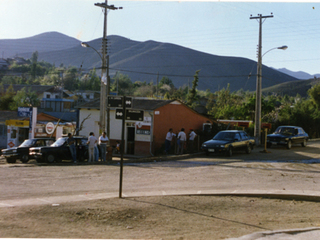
<point>59,142</point>
<point>27,143</point>
<point>285,130</point>
<point>224,136</point>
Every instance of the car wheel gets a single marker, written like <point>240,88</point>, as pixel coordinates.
<point>51,158</point>
<point>304,143</point>
<point>289,144</point>
<point>229,152</point>
<point>269,145</point>
<point>11,160</point>
<point>24,158</point>
<point>248,149</point>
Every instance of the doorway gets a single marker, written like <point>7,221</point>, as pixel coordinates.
<point>130,139</point>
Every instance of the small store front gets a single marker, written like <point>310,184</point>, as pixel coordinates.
<point>17,132</point>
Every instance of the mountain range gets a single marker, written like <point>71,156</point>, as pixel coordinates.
<point>149,61</point>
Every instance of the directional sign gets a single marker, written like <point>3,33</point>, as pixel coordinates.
<point>135,115</point>
<point>116,101</point>
<point>119,113</point>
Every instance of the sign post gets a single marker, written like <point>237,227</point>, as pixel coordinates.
<point>122,145</point>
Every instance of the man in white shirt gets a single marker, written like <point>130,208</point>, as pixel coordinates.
<point>92,140</point>
<point>192,135</point>
<point>168,140</point>
<point>103,141</point>
<point>182,138</point>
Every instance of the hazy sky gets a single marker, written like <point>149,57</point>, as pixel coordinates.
<point>216,27</point>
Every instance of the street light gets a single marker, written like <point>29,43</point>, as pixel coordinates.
<point>102,90</point>
<point>257,127</point>
<point>105,80</point>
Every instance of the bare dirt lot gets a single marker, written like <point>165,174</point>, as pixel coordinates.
<point>163,217</point>
<point>166,217</point>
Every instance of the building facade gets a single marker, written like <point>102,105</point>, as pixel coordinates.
<point>145,137</point>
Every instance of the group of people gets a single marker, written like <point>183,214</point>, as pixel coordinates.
<point>181,141</point>
<point>92,147</point>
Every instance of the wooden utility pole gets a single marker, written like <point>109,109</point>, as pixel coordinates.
<point>257,127</point>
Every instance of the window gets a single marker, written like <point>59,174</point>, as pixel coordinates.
<point>237,136</point>
<point>244,135</point>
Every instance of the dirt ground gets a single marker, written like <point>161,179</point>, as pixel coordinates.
<point>165,217</point>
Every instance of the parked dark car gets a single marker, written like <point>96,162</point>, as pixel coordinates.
<point>288,135</point>
<point>59,151</point>
<point>22,151</point>
<point>228,141</point>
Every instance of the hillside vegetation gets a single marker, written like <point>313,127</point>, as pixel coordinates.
<point>278,108</point>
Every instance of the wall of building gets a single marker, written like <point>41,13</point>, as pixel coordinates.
<point>176,116</point>
<point>91,124</point>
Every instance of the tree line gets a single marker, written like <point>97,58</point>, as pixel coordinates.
<point>223,104</point>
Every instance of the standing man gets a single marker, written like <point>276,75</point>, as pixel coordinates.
<point>168,140</point>
<point>192,135</point>
<point>72,146</point>
<point>182,139</point>
<point>103,142</point>
<point>92,140</point>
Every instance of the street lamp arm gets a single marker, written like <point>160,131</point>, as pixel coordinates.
<point>86,45</point>
<point>282,47</point>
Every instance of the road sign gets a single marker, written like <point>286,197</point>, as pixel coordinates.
<point>116,101</point>
<point>24,111</point>
<point>134,115</point>
<point>119,113</point>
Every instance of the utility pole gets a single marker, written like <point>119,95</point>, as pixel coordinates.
<point>105,80</point>
<point>257,127</point>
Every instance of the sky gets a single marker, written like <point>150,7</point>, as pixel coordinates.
<point>221,28</point>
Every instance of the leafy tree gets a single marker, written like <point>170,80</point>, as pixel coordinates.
<point>70,80</point>
<point>34,63</point>
<point>123,84</point>
<point>25,98</point>
<point>6,98</point>
<point>314,94</point>
<point>166,81</point>
<point>192,95</point>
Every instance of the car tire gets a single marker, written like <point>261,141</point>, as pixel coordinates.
<point>289,144</point>
<point>51,158</point>
<point>304,143</point>
<point>269,145</point>
<point>11,160</point>
<point>24,158</point>
<point>229,152</point>
<point>248,149</point>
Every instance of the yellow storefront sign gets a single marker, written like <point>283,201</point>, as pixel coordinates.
<point>17,123</point>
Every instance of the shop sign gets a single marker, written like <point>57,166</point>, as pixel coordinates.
<point>49,127</point>
<point>143,130</point>
<point>17,123</point>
